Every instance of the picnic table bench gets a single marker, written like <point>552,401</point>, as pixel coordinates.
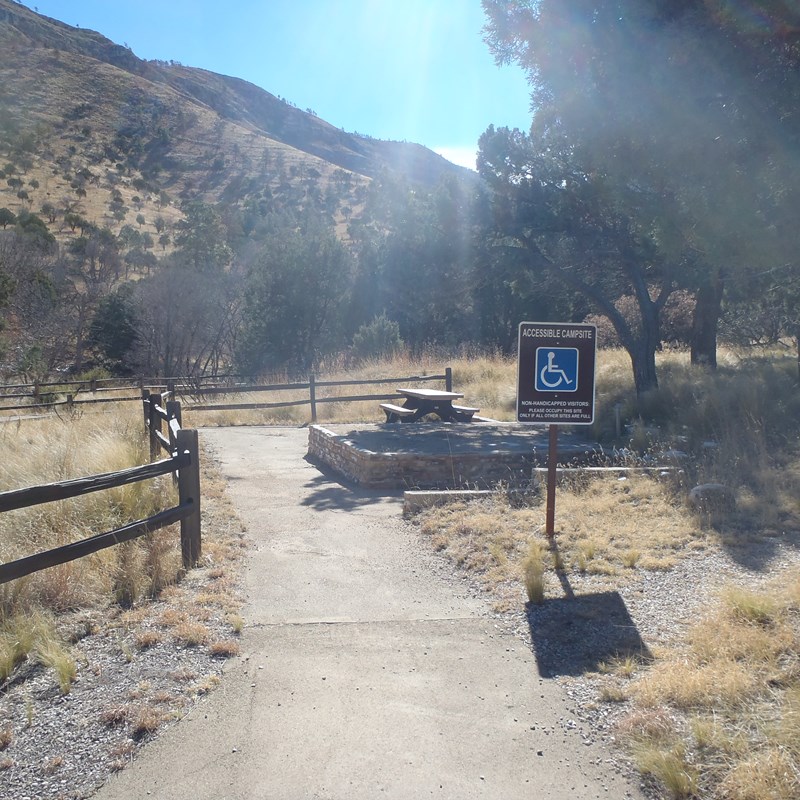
<point>419,403</point>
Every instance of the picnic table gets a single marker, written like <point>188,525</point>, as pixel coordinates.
<point>418,403</point>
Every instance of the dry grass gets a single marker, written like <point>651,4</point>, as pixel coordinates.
<point>147,638</point>
<point>224,648</point>
<point>145,719</point>
<point>43,451</point>
<point>737,683</point>
<point>35,637</point>
<point>606,528</point>
<point>486,381</point>
<point>191,634</point>
<point>6,736</point>
<point>533,570</point>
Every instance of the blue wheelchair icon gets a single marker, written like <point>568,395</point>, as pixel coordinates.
<point>556,369</point>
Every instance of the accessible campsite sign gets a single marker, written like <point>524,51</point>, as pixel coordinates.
<point>555,373</point>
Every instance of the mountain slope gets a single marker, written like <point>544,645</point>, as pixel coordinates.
<point>233,100</point>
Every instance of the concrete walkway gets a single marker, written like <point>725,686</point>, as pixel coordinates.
<point>367,669</point>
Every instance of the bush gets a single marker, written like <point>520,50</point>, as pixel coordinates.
<point>377,339</point>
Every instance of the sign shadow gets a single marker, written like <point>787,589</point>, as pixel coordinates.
<point>575,634</point>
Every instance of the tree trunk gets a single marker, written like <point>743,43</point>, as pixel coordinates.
<point>643,361</point>
<point>707,310</point>
<point>797,345</point>
<point>642,345</point>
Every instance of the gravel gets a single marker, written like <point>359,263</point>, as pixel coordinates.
<point>66,745</point>
<point>571,638</point>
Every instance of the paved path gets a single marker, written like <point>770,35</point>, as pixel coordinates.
<point>366,672</point>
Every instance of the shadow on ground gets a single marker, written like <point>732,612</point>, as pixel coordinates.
<point>329,491</point>
<point>753,547</point>
<point>575,635</point>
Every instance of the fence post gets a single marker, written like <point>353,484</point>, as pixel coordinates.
<point>155,425</point>
<point>448,379</point>
<point>173,412</point>
<point>93,385</point>
<point>312,388</point>
<point>146,408</point>
<point>69,401</point>
<point>36,390</point>
<point>189,492</point>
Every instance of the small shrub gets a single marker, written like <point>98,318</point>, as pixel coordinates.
<point>533,568</point>
<point>224,648</point>
<point>670,767</point>
<point>145,719</point>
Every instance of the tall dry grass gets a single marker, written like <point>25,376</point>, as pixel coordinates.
<point>39,451</point>
<point>736,680</point>
<point>608,531</point>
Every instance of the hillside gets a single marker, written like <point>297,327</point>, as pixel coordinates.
<point>88,127</point>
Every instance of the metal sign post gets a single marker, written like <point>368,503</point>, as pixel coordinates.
<point>555,385</point>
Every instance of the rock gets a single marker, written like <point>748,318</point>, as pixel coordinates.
<point>713,498</point>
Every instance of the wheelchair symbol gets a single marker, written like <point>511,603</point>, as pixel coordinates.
<point>556,369</point>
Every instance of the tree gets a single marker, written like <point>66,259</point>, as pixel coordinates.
<point>186,321</point>
<point>30,285</point>
<point>200,238</point>
<point>113,331</point>
<point>554,217</point>
<point>93,268</point>
<point>50,211</point>
<point>415,261</point>
<point>7,217</point>
<point>679,100</point>
<point>294,286</point>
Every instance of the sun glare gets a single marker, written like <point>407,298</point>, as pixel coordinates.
<point>463,156</point>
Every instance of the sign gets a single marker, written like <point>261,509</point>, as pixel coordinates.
<point>555,373</point>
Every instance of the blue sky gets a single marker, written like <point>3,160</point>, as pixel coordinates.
<point>415,70</point>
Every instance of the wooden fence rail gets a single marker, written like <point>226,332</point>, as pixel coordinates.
<point>311,386</point>
<point>95,385</point>
<point>183,463</point>
<point>194,388</point>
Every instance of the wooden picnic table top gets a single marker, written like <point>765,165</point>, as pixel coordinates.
<point>430,394</point>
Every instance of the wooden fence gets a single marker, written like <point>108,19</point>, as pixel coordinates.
<point>44,394</point>
<point>198,390</point>
<point>312,386</point>
<point>183,462</point>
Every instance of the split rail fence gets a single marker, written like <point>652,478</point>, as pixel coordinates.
<point>199,391</point>
<point>182,461</point>
<point>162,419</point>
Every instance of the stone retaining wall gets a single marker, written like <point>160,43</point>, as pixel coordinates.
<point>372,470</point>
